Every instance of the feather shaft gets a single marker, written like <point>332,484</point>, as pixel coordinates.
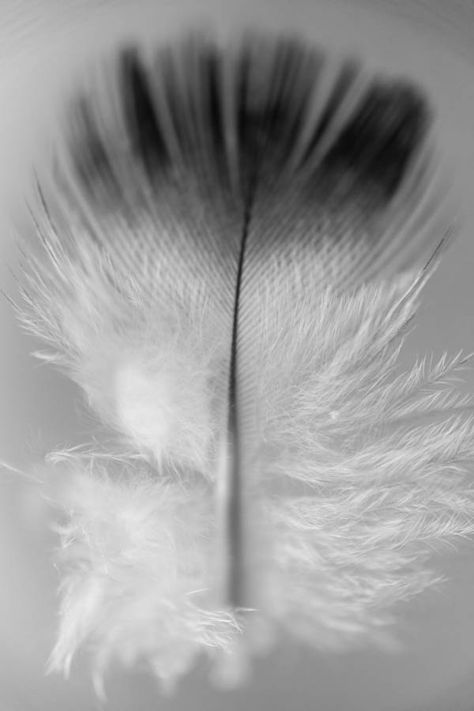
<point>233,500</point>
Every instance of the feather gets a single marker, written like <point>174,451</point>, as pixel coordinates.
<point>231,250</point>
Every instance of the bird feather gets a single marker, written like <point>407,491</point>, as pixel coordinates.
<point>229,259</point>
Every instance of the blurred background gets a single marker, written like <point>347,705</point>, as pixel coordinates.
<point>46,47</point>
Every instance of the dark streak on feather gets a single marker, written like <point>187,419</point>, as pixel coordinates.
<point>344,80</point>
<point>148,143</point>
<point>92,163</point>
<point>211,69</point>
<point>380,139</point>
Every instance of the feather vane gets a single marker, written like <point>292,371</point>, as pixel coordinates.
<point>228,265</point>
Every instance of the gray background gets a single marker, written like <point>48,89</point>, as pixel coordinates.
<point>44,45</point>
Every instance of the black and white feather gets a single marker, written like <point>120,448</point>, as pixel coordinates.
<point>233,243</point>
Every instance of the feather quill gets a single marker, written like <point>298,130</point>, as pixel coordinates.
<point>232,249</point>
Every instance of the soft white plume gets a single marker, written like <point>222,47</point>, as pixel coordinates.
<point>151,374</point>
<point>137,559</point>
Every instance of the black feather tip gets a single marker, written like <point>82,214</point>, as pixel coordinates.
<point>234,117</point>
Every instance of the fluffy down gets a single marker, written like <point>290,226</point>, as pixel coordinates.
<point>153,372</point>
<point>136,560</point>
